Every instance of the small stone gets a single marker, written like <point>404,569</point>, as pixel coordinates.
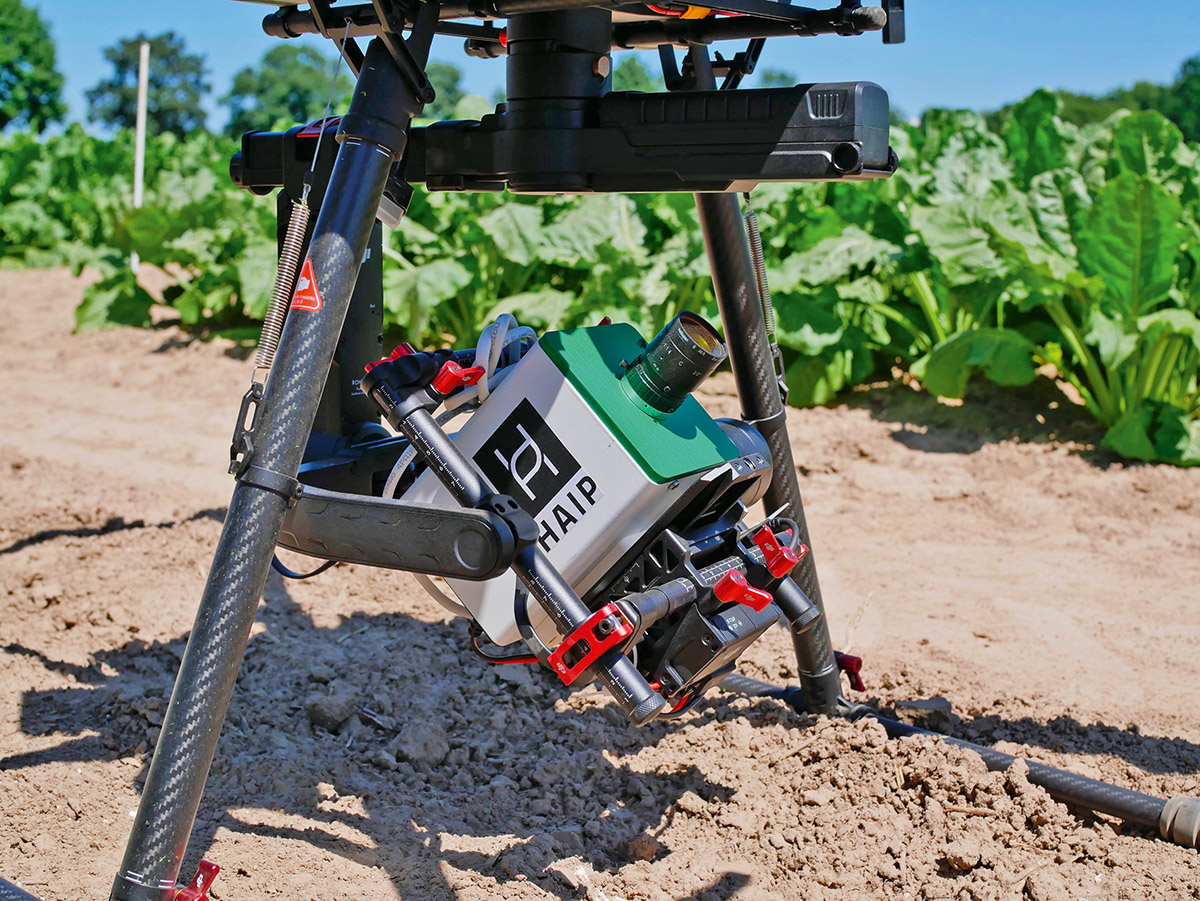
<point>963,854</point>
<point>333,708</point>
<point>818,796</point>
<point>569,840</point>
<point>421,743</point>
<point>934,713</point>
<point>322,672</point>
<point>46,592</point>
<point>644,847</point>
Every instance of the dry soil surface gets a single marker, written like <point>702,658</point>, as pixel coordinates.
<point>986,553</point>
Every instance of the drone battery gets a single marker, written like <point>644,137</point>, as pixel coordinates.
<point>681,141</point>
<point>586,461</point>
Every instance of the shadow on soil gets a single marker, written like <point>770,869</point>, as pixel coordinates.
<point>112,524</point>
<point>1035,414</point>
<point>337,792</point>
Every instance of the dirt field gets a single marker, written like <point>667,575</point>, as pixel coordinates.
<point>985,553</point>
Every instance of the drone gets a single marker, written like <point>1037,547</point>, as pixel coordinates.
<point>588,515</point>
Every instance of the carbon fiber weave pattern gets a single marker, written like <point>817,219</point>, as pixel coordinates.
<point>209,669</point>
<point>10,892</point>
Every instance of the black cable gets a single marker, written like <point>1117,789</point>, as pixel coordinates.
<point>292,574</point>
<point>476,630</point>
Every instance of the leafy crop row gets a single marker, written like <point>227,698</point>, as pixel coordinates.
<point>1040,247</point>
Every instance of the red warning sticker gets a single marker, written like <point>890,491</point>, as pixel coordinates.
<point>306,297</point>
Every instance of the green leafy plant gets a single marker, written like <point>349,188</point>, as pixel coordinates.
<point>999,253</point>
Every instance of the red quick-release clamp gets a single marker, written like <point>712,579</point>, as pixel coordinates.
<point>452,376</point>
<point>779,558</point>
<point>851,666</point>
<point>197,889</point>
<point>605,629</point>
<point>402,350</point>
<point>732,588</point>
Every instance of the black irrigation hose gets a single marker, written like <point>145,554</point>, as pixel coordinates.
<point>1177,819</point>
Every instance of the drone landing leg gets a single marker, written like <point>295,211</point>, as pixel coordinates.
<point>753,369</point>
<point>374,134</point>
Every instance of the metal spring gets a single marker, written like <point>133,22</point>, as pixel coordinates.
<point>285,280</point>
<point>760,270</point>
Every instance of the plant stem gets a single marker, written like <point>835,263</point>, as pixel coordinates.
<point>1104,400</point>
<point>927,301</point>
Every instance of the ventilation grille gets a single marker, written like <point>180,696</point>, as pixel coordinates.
<point>826,104</point>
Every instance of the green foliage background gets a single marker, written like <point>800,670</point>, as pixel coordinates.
<point>997,252</point>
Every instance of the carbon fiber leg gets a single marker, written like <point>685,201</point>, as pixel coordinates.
<point>10,892</point>
<point>753,369</point>
<point>210,665</point>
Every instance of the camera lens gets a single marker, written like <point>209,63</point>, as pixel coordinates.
<point>674,364</point>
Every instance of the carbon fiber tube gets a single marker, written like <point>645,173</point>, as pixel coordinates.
<point>10,892</point>
<point>640,702</point>
<point>210,665</point>
<point>753,370</point>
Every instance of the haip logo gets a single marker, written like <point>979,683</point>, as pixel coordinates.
<point>525,459</point>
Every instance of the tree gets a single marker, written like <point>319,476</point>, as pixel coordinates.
<point>447,82</point>
<point>289,86</point>
<point>776,78</point>
<point>631,75</point>
<point>175,87</point>
<point>1181,101</point>
<point>30,83</point>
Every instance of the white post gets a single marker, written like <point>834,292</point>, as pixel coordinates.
<point>139,141</point>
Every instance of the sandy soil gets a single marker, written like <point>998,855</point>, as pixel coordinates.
<point>984,553</point>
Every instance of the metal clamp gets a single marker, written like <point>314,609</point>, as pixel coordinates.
<point>241,451</point>
<point>604,630</point>
<point>241,446</point>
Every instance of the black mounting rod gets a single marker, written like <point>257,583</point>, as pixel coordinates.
<point>750,358</point>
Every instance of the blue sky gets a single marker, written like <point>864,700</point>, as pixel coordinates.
<point>959,53</point>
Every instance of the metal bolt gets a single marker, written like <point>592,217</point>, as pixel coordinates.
<point>602,66</point>
<point>605,626</point>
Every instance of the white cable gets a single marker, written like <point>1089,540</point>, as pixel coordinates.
<point>493,343</point>
<point>410,453</point>
<point>441,597</point>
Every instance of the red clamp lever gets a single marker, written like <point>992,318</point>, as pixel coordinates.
<point>732,588</point>
<point>402,350</point>
<point>591,640</point>
<point>779,558</point>
<point>197,889</point>
<point>851,666</point>
<point>452,376</point>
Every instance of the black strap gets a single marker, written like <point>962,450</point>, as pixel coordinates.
<point>269,480</point>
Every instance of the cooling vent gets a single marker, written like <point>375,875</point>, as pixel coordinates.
<point>826,104</point>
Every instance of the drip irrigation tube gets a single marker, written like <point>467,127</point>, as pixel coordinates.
<point>1177,819</point>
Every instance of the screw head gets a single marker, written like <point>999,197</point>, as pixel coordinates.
<point>602,66</point>
<point>605,626</point>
